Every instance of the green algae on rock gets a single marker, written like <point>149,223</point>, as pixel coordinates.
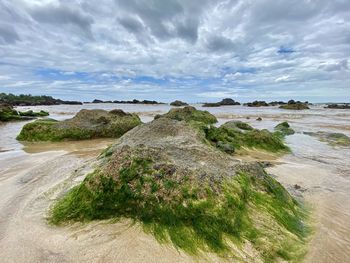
<point>86,124</point>
<point>284,129</point>
<point>234,135</point>
<point>295,105</point>
<point>238,125</point>
<point>188,114</point>
<point>7,113</point>
<point>185,192</point>
<point>178,103</point>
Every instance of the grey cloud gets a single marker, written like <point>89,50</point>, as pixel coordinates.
<point>8,34</point>
<point>131,24</point>
<point>341,65</point>
<point>63,14</point>
<point>220,44</point>
<point>188,30</point>
<point>167,19</point>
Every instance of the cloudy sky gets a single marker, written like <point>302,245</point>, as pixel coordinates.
<point>195,50</point>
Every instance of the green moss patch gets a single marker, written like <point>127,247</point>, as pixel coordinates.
<point>227,138</point>
<point>7,113</point>
<point>87,124</point>
<point>190,114</point>
<point>284,129</point>
<point>195,215</point>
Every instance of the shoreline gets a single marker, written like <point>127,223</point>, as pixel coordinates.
<point>30,170</point>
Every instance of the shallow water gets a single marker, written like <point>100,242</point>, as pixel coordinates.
<point>30,173</point>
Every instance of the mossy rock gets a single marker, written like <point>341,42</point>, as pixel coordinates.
<point>31,113</point>
<point>7,113</point>
<point>190,114</point>
<point>239,125</point>
<point>284,129</point>
<point>87,124</point>
<point>178,103</point>
<point>185,192</point>
<point>229,134</point>
<point>294,106</point>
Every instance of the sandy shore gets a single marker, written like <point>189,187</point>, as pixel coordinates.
<point>32,175</point>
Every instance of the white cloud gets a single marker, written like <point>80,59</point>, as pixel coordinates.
<point>202,47</point>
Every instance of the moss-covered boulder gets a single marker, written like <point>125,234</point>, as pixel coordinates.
<point>223,102</point>
<point>295,105</point>
<point>31,113</point>
<point>165,176</point>
<point>178,103</point>
<point>86,124</point>
<point>238,125</point>
<point>284,129</point>
<point>189,114</point>
<point>7,113</point>
<point>257,103</point>
<point>229,134</point>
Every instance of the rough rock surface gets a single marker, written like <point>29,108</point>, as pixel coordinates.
<point>178,103</point>
<point>86,124</point>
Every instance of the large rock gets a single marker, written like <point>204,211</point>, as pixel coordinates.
<point>224,102</point>
<point>178,103</point>
<point>166,175</point>
<point>256,103</point>
<point>86,124</point>
<point>338,106</point>
<point>189,113</point>
<point>295,105</point>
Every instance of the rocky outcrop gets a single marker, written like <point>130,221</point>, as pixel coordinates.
<point>86,124</point>
<point>295,105</point>
<point>284,129</point>
<point>188,114</point>
<point>338,106</point>
<point>224,102</point>
<point>257,103</point>
<point>7,113</point>
<point>237,125</point>
<point>166,176</point>
<point>178,103</point>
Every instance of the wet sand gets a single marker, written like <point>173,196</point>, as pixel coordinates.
<point>33,175</point>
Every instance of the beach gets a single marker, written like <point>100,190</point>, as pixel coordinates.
<point>33,174</point>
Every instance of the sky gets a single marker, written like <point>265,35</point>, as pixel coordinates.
<point>193,50</point>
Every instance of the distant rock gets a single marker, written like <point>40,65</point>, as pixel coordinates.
<point>134,101</point>
<point>338,106</point>
<point>259,119</point>
<point>224,102</point>
<point>86,124</point>
<point>257,103</point>
<point>295,105</point>
<point>178,103</point>
<point>276,103</point>
<point>97,101</point>
<point>7,113</point>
